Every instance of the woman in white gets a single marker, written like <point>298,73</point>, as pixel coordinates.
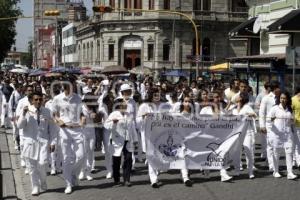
<point>216,108</point>
<point>153,105</point>
<point>243,108</point>
<point>89,115</point>
<point>123,139</point>
<point>280,122</point>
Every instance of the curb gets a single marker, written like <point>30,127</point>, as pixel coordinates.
<point>8,181</point>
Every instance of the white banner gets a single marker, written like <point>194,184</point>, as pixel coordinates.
<point>202,142</point>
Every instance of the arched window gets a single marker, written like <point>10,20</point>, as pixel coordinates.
<point>83,52</point>
<point>79,53</point>
<point>98,50</point>
<point>206,49</point>
<point>87,51</point>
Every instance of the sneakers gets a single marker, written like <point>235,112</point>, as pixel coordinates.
<point>23,164</point>
<point>53,172</point>
<point>35,191</point>
<point>225,177</point>
<point>26,171</point>
<point>154,185</point>
<point>89,178</point>
<point>276,175</point>
<point>291,176</point>
<point>251,176</point>
<point>109,175</point>
<point>81,176</point>
<point>68,190</point>
<point>188,183</point>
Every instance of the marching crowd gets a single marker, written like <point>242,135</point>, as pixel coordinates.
<point>60,121</point>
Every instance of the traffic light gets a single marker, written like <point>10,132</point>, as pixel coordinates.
<point>102,9</point>
<point>52,12</point>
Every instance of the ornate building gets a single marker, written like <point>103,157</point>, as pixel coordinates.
<point>159,40</point>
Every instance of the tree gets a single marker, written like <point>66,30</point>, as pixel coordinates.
<point>8,8</point>
<point>27,57</point>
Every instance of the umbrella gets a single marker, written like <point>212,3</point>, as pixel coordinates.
<point>141,70</point>
<point>85,70</point>
<point>58,70</point>
<point>52,74</point>
<point>177,73</point>
<point>38,72</point>
<point>20,71</point>
<point>114,69</point>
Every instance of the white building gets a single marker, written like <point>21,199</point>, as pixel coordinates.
<point>69,55</point>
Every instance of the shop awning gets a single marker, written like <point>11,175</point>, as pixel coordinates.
<point>244,30</point>
<point>219,67</point>
<point>259,57</point>
<point>286,24</point>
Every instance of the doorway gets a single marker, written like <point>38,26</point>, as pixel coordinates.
<point>132,58</point>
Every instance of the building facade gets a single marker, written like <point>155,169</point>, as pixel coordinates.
<point>159,40</point>
<point>40,22</point>
<point>266,17</point>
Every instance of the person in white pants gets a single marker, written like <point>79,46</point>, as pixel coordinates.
<point>280,122</point>
<point>89,119</point>
<point>56,155</point>
<point>67,110</point>
<point>36,122</point>
<point>267,103</point>
<point>23,103</point>
<point>216,108</point>
<point>243,108</point>
<point>12,106</point>
<point>154,105</point>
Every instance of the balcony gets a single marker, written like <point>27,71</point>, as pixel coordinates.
<point>219,16</point>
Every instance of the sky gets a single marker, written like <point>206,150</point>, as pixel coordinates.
<point>24,27</point>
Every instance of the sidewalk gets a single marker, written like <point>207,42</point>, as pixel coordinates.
<point>8,182</point>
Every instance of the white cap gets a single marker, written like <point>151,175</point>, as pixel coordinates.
<point>124,87</point>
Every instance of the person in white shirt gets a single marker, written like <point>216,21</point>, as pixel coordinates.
<point>12,106</point>
<point>67,110</point>
<point>56,155</point>
<point>88,88</point>
<point>243,108</point>
<point>90,119</point>
<point>216,108</point>
<point>267,103</point>
<point>123,139</point>
<point>23,103</point>
<point>280,122</point>
<point>260,96</point>
<point>36,122</point>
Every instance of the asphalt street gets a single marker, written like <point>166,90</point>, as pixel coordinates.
<point>264,186</point>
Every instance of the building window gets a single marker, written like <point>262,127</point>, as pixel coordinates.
<point>98,50</point>
<point>239,6</point>
<point>167,4</point>
<point>150,51</point>
<point>206,49</point>
<point>112,3</point>
<point>127,4</point>
<point>151,4</point>
<point>202,5</point>
<point>166,52</point>
<point>92,52</point>
<point>83,51</point>
<point>111,49</point>
<point>138,4</point>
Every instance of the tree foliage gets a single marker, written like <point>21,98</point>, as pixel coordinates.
<point>8,8</point>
